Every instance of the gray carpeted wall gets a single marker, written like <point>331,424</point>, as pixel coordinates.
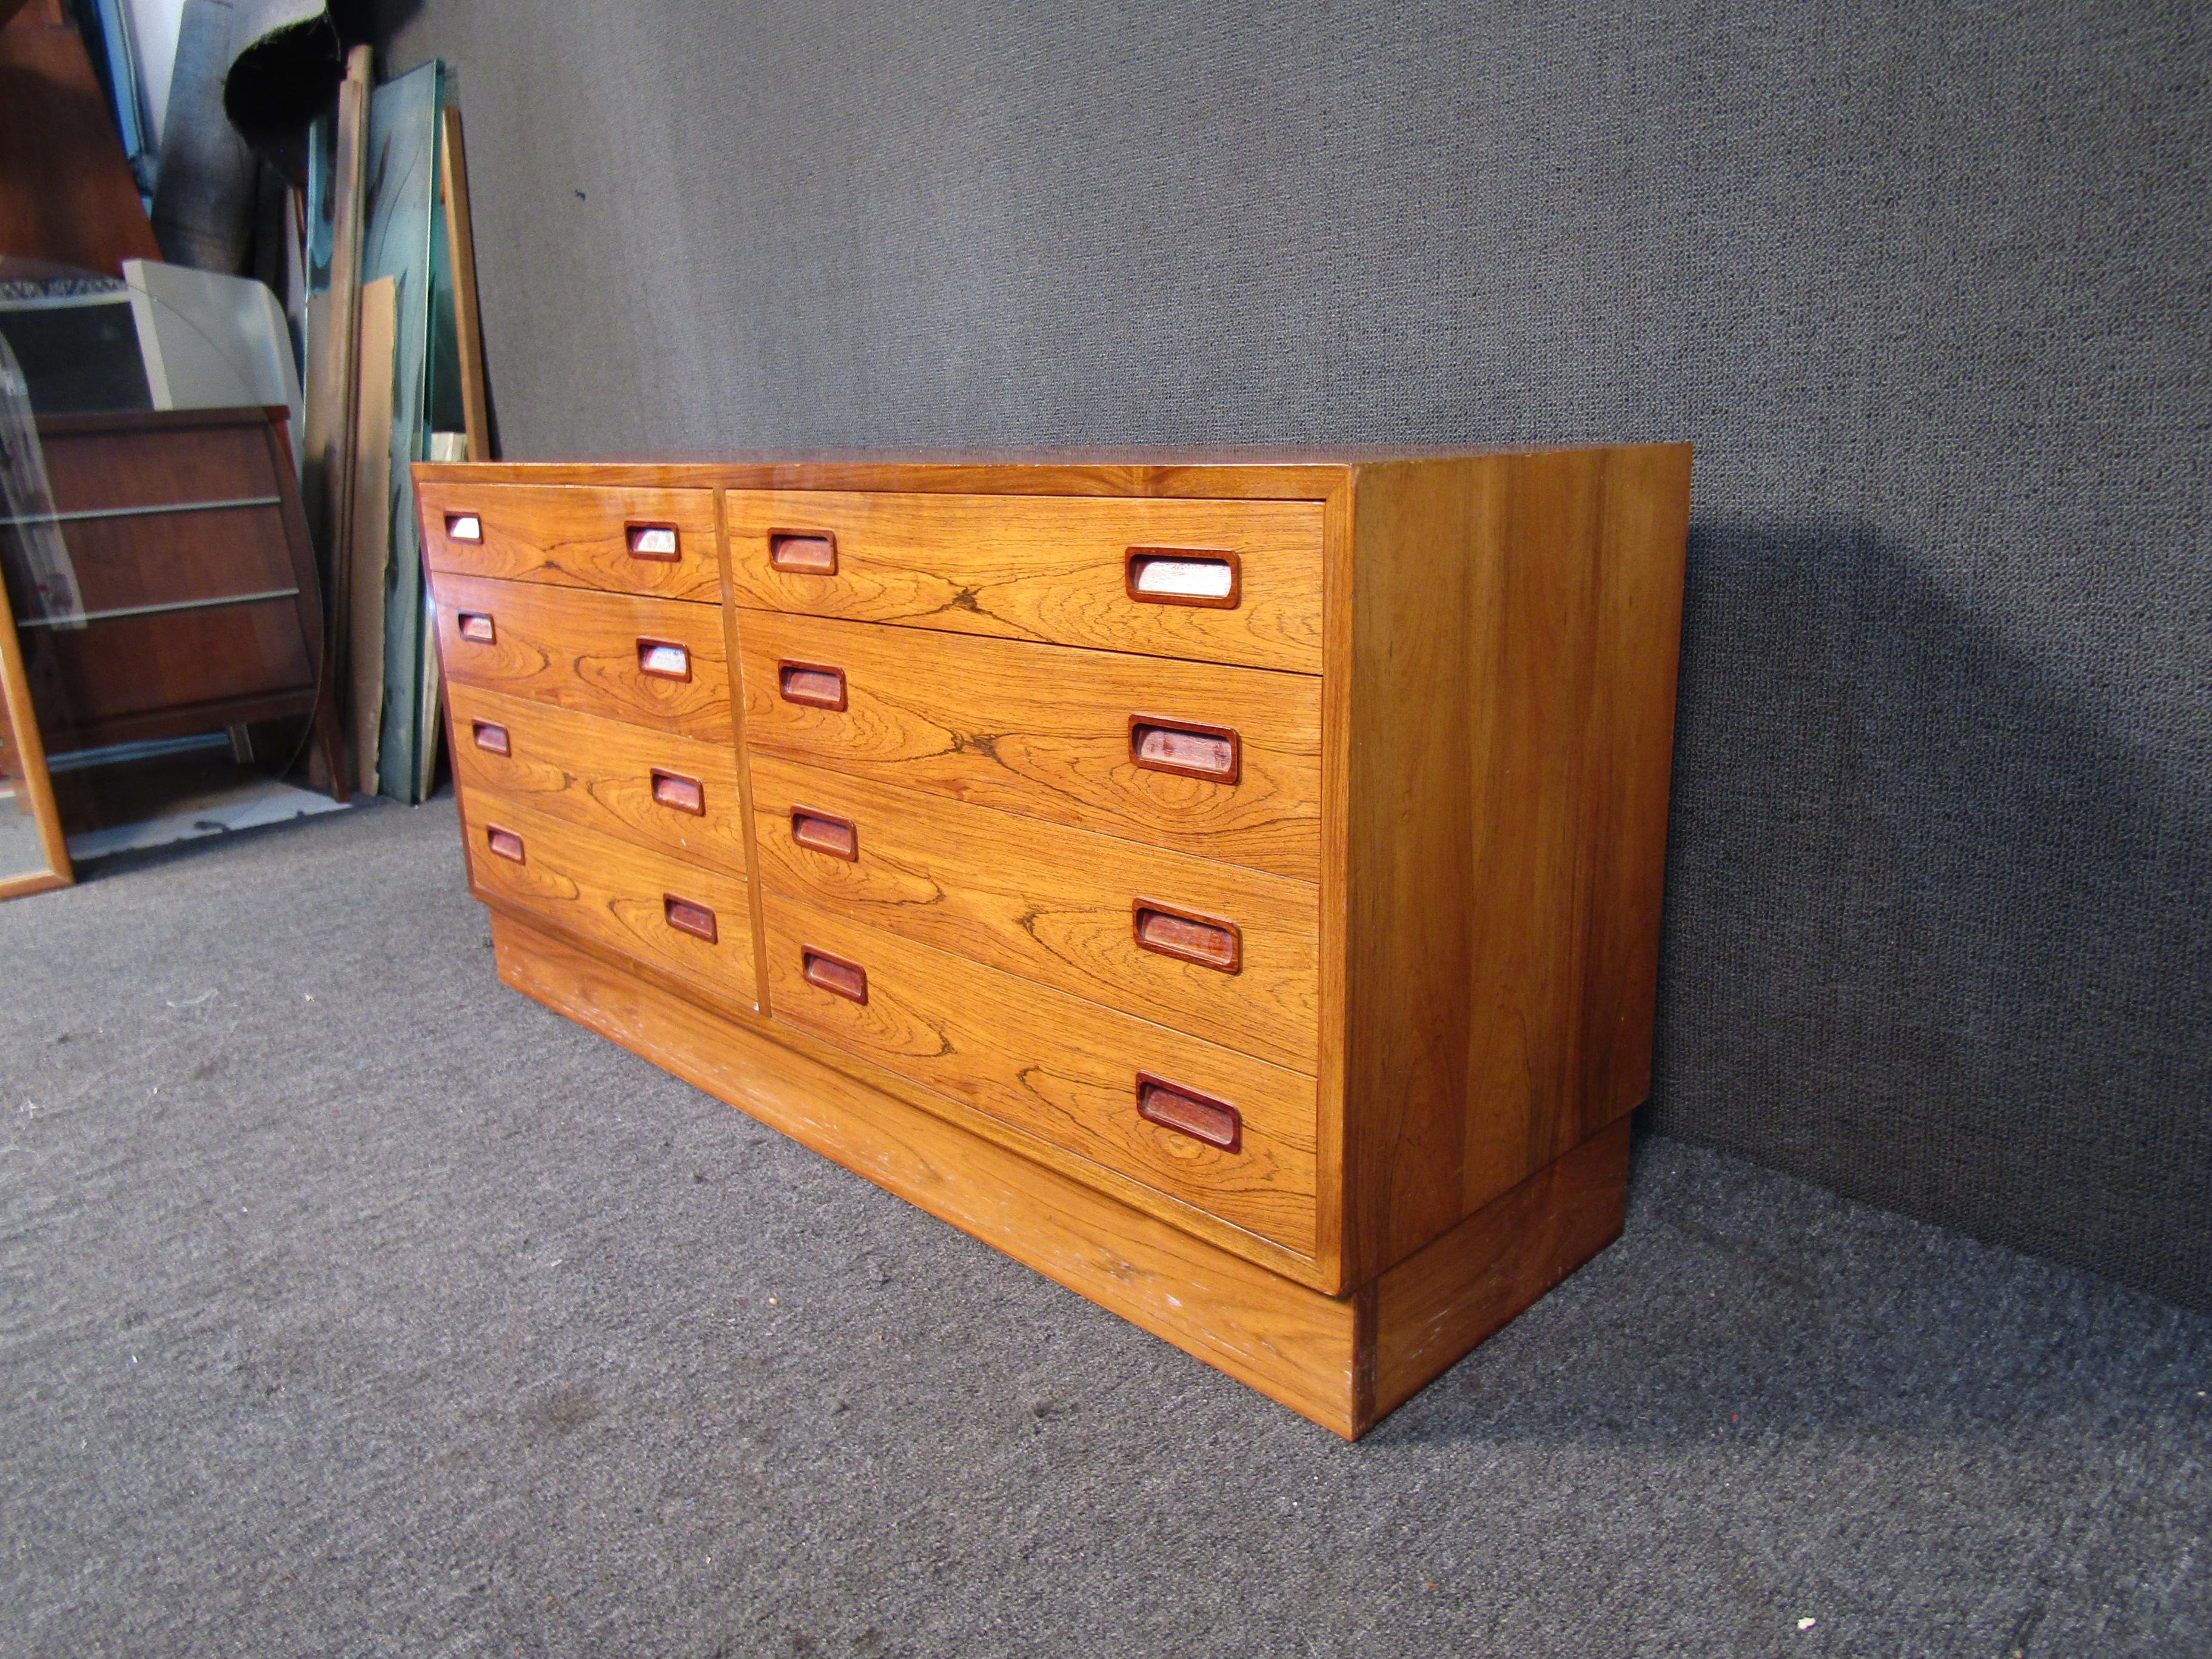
<point>1927,286</point>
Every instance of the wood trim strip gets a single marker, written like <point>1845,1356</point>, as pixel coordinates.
<point>1230,478</point>
<point>733,655</point>
<point>24,739</point>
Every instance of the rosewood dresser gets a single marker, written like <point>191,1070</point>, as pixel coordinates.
<point>1230,888</point>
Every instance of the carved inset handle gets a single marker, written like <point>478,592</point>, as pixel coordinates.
<point>653,541</point>
<point>476,626</point>
<point>679,793</point>
<point>1187,1112</point>
<point>1189,936</point>
<point>664,659</point>
<point>835,974</point>
<point>504,842</point>
<point>464,527</point>
<point>1185,747</point>
<point>803,552</point>
<point>685,917</point>
<point>492,740</point>
<point>818,832</point>
<point>1176,575</point>
<point>811,685</point>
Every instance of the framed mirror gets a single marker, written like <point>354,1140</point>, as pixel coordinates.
<point>33,856</point>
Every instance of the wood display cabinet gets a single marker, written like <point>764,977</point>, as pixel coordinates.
<point>1230,887</point>
<point>201,609</point>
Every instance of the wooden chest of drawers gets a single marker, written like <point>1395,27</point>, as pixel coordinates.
<point>1230,888</point>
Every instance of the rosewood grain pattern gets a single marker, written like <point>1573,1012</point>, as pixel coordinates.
<point>1049,903</point>
<point>1046,568</point>
<point>1062,1068</point>
<point>1289,1342</point>
<point>690,922</point>
<point>1343,1362</point>
<point>1506,846</point>
<point>1124,1190</point>
<point>582,651</point>
<point>1433,1307</point>
<point>1228,476</point>
<point>1341,981</point>
<point>575,535</point>
<point>1044,730</point>
<point>600,774</point>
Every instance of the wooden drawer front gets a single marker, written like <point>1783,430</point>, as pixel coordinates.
<point>616,895</point>
<point>1218,581</point>
<point>1063,1069</point>
<point>1056,905</point>
<point>572,536</point>
<point>673,792</point>
<point>1045,731</point>
<point>588,652</point>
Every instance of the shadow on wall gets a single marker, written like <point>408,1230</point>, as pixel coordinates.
<point>1889,828</point>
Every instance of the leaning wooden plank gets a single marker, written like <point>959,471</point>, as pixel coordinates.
<point>333,369</point>
<point>460,240</point>
<point>372,519</point>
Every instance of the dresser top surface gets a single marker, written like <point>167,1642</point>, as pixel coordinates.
<point>1315,474</point>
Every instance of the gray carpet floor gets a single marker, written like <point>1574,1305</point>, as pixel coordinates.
<point>355,1305</point>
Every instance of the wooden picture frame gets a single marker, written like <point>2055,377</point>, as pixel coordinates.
<point>19,731</point>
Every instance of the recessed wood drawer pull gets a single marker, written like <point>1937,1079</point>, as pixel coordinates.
<point>820,832</point>
<point>686,917</point>
<point>464,527</point>
<point>664,659</point>
<point>1190,750</point>
<point>679,793</point>
<point>1176,575</point>
<point>834,975</point>
<point>476,626</point>
<point>811,683</point>
<point>1190,936</point>
<point>654,541</point>
<point>803,552</point>
<point>505,842</point>
<point>492,740</point>
<point>1187,1112</point>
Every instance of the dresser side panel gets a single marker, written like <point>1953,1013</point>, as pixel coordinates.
<point>1424,542</point>
<point>1515,632</point>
